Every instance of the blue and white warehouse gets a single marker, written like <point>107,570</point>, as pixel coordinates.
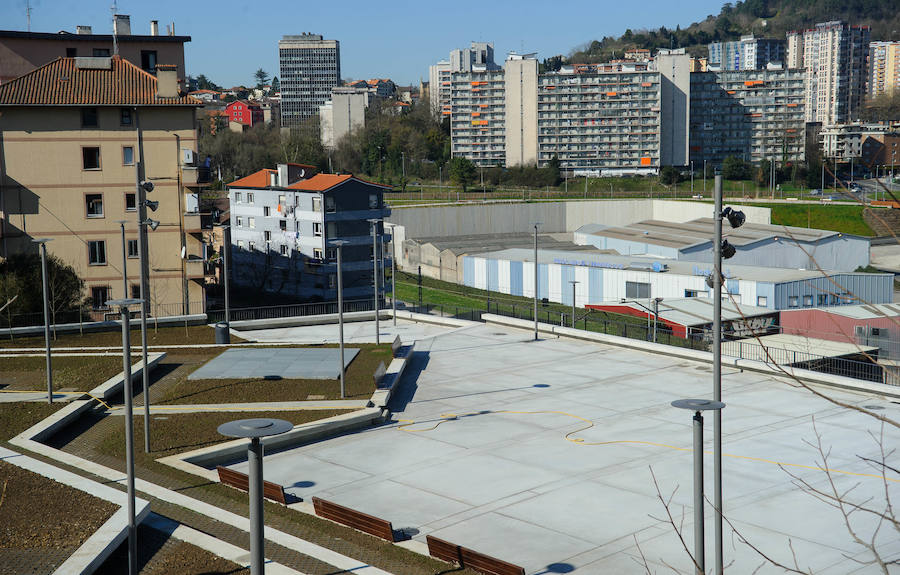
<point>610,278</point>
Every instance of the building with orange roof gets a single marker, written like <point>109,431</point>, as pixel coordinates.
<point>282,223</point>
<point>244,113</point>
<point>76,135</point>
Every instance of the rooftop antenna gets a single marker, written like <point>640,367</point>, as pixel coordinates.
<point>28,15</point>
<point>114,9</point>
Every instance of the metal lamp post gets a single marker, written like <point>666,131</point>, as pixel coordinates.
<point>226,248</point>
<point>46,285</point>
<point>393,279</point>
<point>374,222</point>
<point>124,259</point>
<point>656,301</point>
<point>129,425</point>
<point>536,224</point>
<point>254,429</point>
<point>143,188</point>
<point>698,406</point>
<point>574,283</point>
<point>339,244</point>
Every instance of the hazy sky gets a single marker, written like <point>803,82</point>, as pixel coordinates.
<point>394,39</point>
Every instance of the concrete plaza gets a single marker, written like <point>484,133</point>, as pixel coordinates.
<point>354,332</point>
<point>540,453</point>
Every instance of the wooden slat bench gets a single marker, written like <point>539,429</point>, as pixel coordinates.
<point>355,519</point>
<point>241,481</point>
<point>472,559</point>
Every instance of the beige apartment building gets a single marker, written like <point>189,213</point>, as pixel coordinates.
<point>884,68</point>
<point>72,134</point>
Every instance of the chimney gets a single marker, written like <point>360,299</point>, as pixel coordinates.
<point>122,25</point>
<point>154,27</point>
<point>283,179</point>
<point>173,29</point>
<point>83,30</point>
<point>166,81</point>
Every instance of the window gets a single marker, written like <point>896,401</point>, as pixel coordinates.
<point>133,250</point>
<point>691,293</point>
<point>71,52</point>
<point>267,211</point>
<point>637,290</point>
<point>284,250</point>
<point>822,299</point>
<point>332,281</point>
<point>127,155</point>
<point>329,204</point>
<point>100,53</point>
<point>793,301</point>
<point>237,197</point>
<point>317,204</point>
<point>373,201</point>
<point>762,301</point>
<point>240,244</point>
<point>268,235</point>
<point>332,254</point>
<point>97,253</point>
<point>125,116</point>
<point>90,158</point>
<point>89,117</point>
<point>251,222</point>
<point>99,297</point>
<point>249,197</point>
<point>252,246</point>
<point>807,300</point>
<point>148,60</point>
<point>136,291</point>
<point>317,228</point>
<point>331,229</point>
<point>318,253</point>
<point>282,225</point>
<point>281,199</point>
<point>94,205</point>
<point>130,202</point>
<point>876,331</point>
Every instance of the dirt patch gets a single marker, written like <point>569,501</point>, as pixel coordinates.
<point>17,417</point>
<point>194,334</point>
<point>76,373</point>
<point>38,513</point>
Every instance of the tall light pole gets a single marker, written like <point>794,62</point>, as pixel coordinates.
<point>129,426</point>
<point>143,187</point>
<point>393,278</point>
<point>254,429</point>
<point>441,181</point>
<point>574,283</point>
<point>339,244</point>
<point>656,301</point>
<point>536,224</point>
<point>692,177</point>
<point>704,176</point>
<point>226,249</point>
<point>45,281</point>
<point>374,222</point>
<point>124,259</point>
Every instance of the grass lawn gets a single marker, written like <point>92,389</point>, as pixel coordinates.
<point>78,373</point>
<point>846,218</point>
<point>193,334</point>
<point>17,417</point>
<point>358,382</point>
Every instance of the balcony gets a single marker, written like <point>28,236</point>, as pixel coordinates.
<point>194,176</point>
<point>196,268</point>
<point>197,222</point>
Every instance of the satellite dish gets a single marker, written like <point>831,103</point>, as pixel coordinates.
<point>302,173</point>
<point>183,252</point>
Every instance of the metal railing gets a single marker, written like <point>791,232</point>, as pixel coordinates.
<point>291,310</point>
<point>89,315</point>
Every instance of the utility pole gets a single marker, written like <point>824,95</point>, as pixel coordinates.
<point>717,373</point>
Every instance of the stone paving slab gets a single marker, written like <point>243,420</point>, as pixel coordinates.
<point>290,363</point>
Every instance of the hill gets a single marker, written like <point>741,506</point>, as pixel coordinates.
<point>763,18</point>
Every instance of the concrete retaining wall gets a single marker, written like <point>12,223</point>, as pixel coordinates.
<point>295,321</point>
<point>195,319</point>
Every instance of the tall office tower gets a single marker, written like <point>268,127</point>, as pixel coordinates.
<point>310,68</point>
<point>439,88</point>
<point>835,57</point>
<point>884,68</point>
<point>748,53</point>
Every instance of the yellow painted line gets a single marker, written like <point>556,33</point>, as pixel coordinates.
<point>445,417</point>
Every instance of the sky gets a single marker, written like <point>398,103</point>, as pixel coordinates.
<point>394,39</point>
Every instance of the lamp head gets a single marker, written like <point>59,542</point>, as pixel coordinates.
<point>735,217</point>
<point>152,204</point>
<point>147,186</point>
<point>152,223</point>
<point>728,250</point>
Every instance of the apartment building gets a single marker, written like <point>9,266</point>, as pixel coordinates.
<point>750,114</point>
<point>478,116</point>
<point>72,133</point>
<point>439,88</point>
<point>310,67</point>
<point>884,68</point>
<point>22,52</point>
<point>342,114</point>
<point>244,113</point>
<point>835,57</point>
<point>748,53</point>
<point>282,221</point>
<point>846,142</point>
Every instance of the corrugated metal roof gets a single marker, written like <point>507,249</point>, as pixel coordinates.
<point>692,311</point>
<point>87,82</point>
<point>866,311</point>
<point>751,348</point>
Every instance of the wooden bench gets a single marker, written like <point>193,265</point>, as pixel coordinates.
<point>378,376</point>
<point>472,559</point>
<point>395,346</point>
<point>241,481</point>
<point>355,519</point>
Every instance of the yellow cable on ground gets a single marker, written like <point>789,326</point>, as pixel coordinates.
<point>445,417</point>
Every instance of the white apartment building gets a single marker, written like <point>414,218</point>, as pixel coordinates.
<point>835,57</point>
<point>884,68</point>
<point>310,67</point>
<point>439,88</point>
<point>748,53</point>
<point>342,114</point>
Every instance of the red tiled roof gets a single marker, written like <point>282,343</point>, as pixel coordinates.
<point>258,179</point>
<point>320,182</point>
<point>62,83</point>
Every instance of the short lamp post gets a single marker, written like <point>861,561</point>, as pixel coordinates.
<point>124,259</point>
<point>374,222</point>
<point>123,304</point>
<point>46,283</point>
<point>698,406</point>
<point>574,293</point>
<point>339,244</point>
<point>536,224</point>
<point>254,429</point>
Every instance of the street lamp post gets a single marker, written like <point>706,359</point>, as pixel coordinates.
<point>656,301</point>
<point>46,285</point>
<point>339,244</point>
<point>254,429</point>
<point>393,278</point>
<point>374,222</point>
<point>574,283</point>
<point>536,224</point>
<point>698,406</point>
<point>123,304</point>
<point>144,187</point>
<point>692,178</point>
<point>704,176</point>
<point>124,260</point>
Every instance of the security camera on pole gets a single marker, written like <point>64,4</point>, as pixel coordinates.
<point>143,187</point>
